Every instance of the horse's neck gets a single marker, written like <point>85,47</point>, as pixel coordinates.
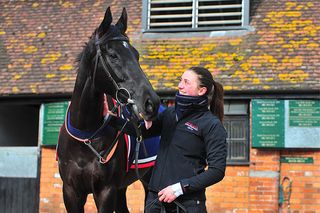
<point>86,108</point>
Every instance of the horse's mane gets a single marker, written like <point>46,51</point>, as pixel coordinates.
<point>86,53</point>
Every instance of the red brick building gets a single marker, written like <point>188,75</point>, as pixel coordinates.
<point>263,52</point>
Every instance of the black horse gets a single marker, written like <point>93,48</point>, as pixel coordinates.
<point>109,65</point>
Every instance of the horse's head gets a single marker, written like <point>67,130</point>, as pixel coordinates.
<point>117,69</point>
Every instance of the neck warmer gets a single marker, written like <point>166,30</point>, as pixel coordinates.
<point>186,105</point>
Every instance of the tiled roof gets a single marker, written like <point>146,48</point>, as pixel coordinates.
<point>39,41</point>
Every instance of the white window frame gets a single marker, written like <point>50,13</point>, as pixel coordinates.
<point>194,24</point>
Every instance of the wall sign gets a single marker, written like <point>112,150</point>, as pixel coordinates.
<point>306,160</point>
<point>304,113</point>
<point>268,123</point>
<point>285,123</point>
<point>52,116</point>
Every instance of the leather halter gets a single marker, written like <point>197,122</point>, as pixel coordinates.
<point>106,66</point>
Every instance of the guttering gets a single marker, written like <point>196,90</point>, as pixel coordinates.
<point>34,98</point>
<point>169,94</point>
<point>250,94</point>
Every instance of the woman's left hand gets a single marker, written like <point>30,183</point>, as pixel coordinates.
<point>166,195</point>
<point>147,124</point>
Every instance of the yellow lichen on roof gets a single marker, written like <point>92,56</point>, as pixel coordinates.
<point>50,75</point>
<point>66,78</point>
<point>235,42</point>
<point>296,76</point>
<point>312,45</point>
<point>17,76</point>
<point>30,49</point>
<point>227,87</point>
<point>256,81</point>
<point>42,35</point>
<point>34,5</point>
<point>31,34</point>
<point>50,58</point>
<point>66,67</point>
<point>26,66</point>
<point>67,4</point>
<point>15,89</point>
<point>33,88</point>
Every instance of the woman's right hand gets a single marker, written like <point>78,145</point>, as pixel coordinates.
<point>106,108</point>
<point>147,124</point>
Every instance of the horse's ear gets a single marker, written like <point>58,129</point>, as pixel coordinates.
<point>122,22</point>
<point>105,24</point>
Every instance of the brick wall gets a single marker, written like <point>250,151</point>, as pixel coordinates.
<point>251,188</point>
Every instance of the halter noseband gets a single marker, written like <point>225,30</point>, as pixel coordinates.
<point>106,67</point>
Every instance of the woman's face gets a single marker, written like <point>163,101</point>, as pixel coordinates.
<point>189,84</point>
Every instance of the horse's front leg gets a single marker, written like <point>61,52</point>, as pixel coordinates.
<point>74,201</point>
<point>121,206</point>
<point>105,198</point>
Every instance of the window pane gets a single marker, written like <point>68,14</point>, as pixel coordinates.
<point>219,13</point>
<point>170,14</point>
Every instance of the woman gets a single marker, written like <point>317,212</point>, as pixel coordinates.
<point>192,137</point>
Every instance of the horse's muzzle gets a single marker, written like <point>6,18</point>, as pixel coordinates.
<point>148,112</point>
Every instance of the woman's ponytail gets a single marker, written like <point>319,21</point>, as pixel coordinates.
<point>217,102</point>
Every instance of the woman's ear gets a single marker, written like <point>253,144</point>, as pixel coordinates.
<point>202,91</point>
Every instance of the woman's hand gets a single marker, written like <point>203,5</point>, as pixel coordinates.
<point>167,195</point>
<point>106,108</point>
<point>147,124</point>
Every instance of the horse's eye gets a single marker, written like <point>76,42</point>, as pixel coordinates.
<point>113,56</point>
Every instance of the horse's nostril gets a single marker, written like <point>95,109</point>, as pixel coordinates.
<point>149,106</point>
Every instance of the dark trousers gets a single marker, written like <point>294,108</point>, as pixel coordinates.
<point>153,205</point>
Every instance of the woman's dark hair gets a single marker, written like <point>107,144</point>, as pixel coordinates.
<point>214,91</point>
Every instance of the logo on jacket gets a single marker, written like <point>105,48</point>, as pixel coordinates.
<point>191,126</point>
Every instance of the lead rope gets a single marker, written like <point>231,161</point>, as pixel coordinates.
<point>139,140</point>
<point>163,209</point>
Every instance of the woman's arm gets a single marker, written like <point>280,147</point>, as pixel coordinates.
<point>216,148</point>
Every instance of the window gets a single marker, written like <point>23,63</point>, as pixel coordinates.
<point>236,122</point>
<point>19,125</point>
<point>195,15</point>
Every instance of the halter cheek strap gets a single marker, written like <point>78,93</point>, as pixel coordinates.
<point>107,68</point>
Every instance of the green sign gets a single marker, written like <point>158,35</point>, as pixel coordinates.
<point>306,160</point>
<point>268,123</point>
<point>53,118</point>
<point>285,123</point>
<point>304,113</point>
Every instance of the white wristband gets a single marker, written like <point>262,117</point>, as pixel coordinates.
<point>106,117</point>
<point>177,189</point>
